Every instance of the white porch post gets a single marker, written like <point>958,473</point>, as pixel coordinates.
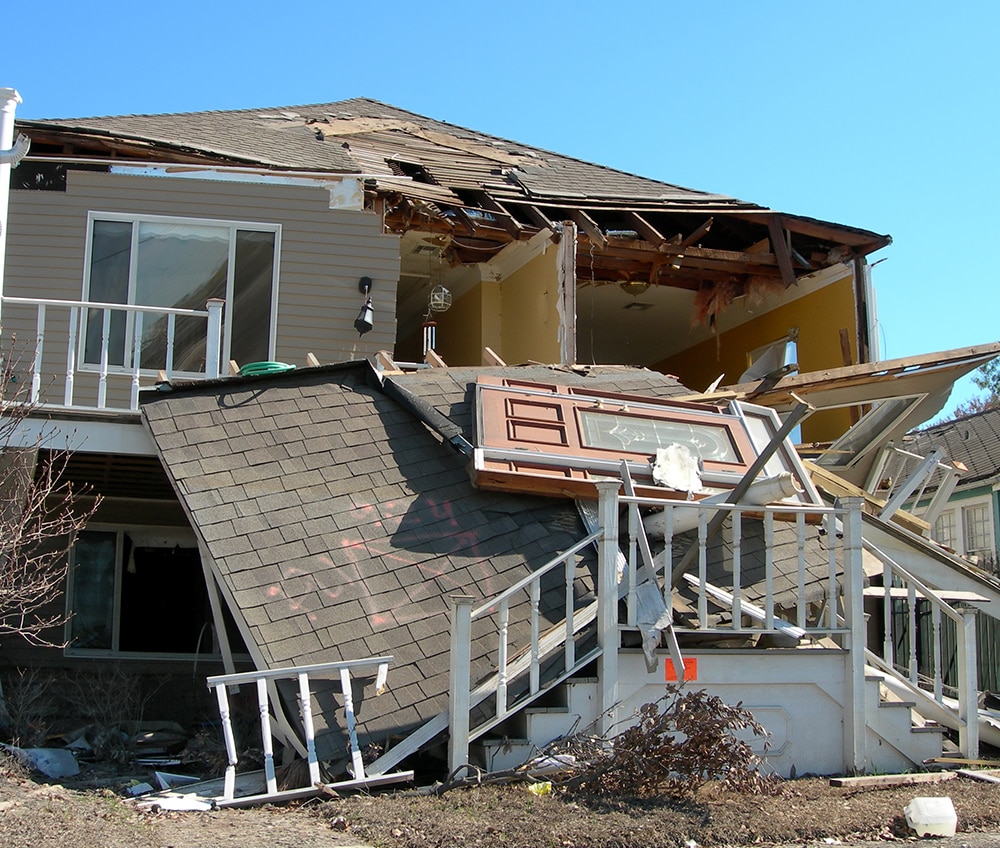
<point>968,683</point>
<point>856,717</point>
<point>459,682</point>
<point>213,341</point>
<point>608,637</point>
<point>9,98</point>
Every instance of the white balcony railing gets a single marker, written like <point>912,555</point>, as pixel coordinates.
<point>62,358</point>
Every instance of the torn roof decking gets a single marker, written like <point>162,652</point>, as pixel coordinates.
<point>517,187</point>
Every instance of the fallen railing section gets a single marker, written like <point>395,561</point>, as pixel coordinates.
<point>301,674</point>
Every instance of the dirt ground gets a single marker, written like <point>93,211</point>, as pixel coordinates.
<point>803,812</point>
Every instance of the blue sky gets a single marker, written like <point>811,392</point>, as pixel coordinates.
<point>882,115</point>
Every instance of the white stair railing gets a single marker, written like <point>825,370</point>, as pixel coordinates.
<point>903,595</point>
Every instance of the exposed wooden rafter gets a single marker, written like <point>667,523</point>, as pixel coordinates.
<point>589,226</point>
<point>780,247</point>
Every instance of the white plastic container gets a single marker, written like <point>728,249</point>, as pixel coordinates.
<point>931,816</point>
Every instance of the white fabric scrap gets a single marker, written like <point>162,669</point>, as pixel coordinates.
<point>677,467</point>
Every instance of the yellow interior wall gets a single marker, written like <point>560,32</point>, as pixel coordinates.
<point>459,330</point>
<point>517,317</point>
<point>819,317</point>
<point>529,316</point>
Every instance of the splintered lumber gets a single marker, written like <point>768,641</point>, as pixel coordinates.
<point>892,779</point>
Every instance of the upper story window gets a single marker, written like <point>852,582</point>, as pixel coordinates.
<point>978,530</point>
<point>944,529</point>
<point>180,263</point>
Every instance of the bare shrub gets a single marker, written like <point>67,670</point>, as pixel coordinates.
<point>30,706</point>
<point>40,515</point>
<point>676,745</point>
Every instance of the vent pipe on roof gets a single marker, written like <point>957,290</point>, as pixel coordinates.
<point>10,155</point>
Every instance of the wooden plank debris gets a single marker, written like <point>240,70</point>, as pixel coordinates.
<point>869,780</point>
<point>982,776</point>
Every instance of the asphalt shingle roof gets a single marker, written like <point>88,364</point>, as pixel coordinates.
<point>340,525</point>
<point>972,439</point>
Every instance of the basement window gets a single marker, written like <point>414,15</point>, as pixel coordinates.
<point>138,591</point>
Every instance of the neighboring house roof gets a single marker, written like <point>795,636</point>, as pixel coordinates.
<point>973,440</point>
<point>339,524</point>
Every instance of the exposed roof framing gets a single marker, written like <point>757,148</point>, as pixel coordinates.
<point>436,177</point>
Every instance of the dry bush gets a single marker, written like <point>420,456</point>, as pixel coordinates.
<point>29,707</point>
<point>40,515</point>
<point>676,745</point>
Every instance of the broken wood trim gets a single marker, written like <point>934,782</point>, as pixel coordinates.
<point>566,304</point>
<point>432,359</point>
<point>311,360</point>
<point>780,247</point>
<point>696,234</point>
<point>862,241</point>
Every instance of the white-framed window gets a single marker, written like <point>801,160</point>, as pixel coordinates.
<point>153,260</point>
<point>944,529</point>
<point>977,530</point>
<point>136,590</point>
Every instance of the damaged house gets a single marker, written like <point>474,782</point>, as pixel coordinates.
<point>443,441</point>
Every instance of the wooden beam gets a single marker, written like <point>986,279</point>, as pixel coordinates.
<point>435,361</point>
<point>645,229</point>
<point>538,217</point>
<point>697,234</point>
<point>780,247</point>
<point>490,357</point>
<point>589,226</point>
<point>504,218</point>
<point>311,360</point>
<point>893,779</point>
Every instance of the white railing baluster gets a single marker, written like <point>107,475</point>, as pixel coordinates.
<point>633,543</point>
<point>229,784</point>
<point>136,354</point>
<point>74,324</point>
<point>305,710</point>
<point>347,691</point>
<point>534,674</point>
<point>888,642</point>
<point>102,390</point>
<point>703,566</point>
<point>800,541</point>
<point>668,556</point>
<point>831,591</point>
<point>736,518</point>
<point>267,744</point>
<point>169,356</point>
<point>938,672</point>
<point>502,658</point>
<point>569,651</point>
<point>36,365</point>
<point>769,570</point>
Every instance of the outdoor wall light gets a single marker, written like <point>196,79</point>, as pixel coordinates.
<point>366,317</point>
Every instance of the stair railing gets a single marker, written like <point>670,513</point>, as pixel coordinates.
<point>902,596</point>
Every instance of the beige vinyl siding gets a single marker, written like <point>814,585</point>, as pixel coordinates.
<point>323,253</point>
